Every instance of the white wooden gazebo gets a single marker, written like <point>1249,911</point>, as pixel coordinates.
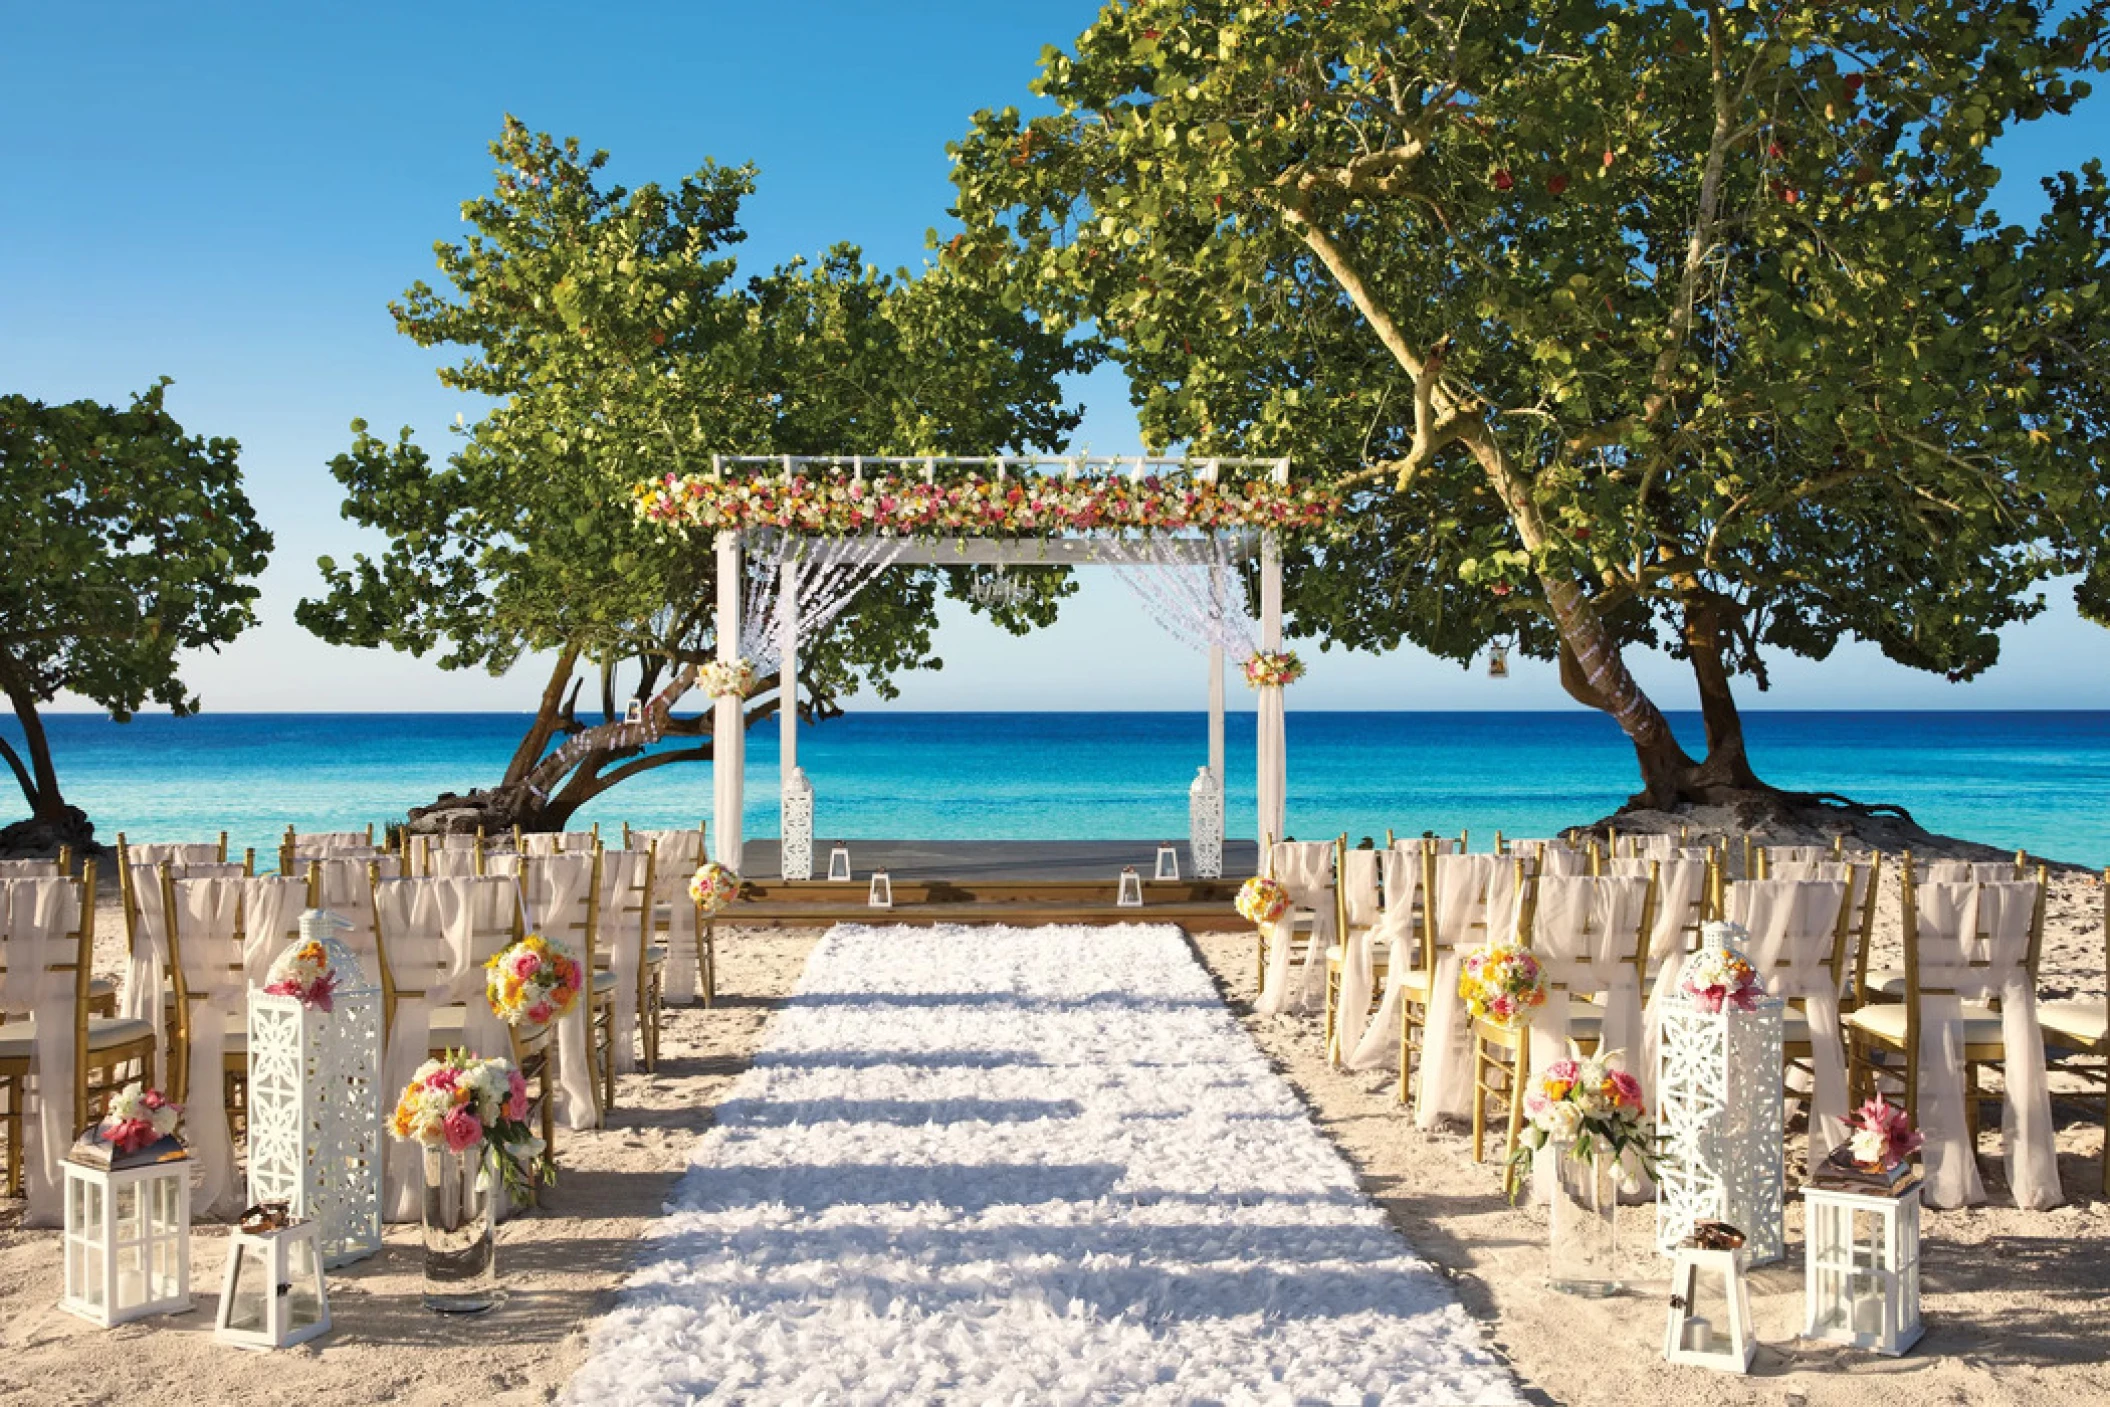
<point>799,551</point>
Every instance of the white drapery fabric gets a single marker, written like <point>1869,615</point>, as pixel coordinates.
<point>557,843</point>
<point>1398,935</point>
<point>320,841</point>
<point>625,921</point>
<point>345,888</point>
<point>825,589</point>
<point>1973,943</point>
<point>42,920</point>
<point>146,965</point>
<point>1360,901</point>
<point>1793,926</point>
<point>1968,872</point>
<point>1681,885</point>
<point>207,931</point>
<point>1475,899</point>
<point>434,929</point>
<point>450,864</point>
<point>1860,874</point>
<point>1305,869</point>
<point>554,891</point>
<point>676,855</point>
<point>271,909</point>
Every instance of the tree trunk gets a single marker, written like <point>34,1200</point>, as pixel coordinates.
<point>1726,768</point>
<point>549,716</point>
<point>41,787</point>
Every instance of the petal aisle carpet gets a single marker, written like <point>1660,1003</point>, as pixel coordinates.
<point>1024,1165</point>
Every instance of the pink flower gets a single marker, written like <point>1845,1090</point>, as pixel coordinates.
<point>446,1077</point>
<point>1562,1072</point>
<point>525,963</point>
<point>1626,1089</point>
<point>462,1129</point>
<point>153,1099</point>
<point>516,1096</point>
<point>540,1013</point>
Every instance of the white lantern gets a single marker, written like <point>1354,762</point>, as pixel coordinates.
<point>272,1294</point>
<point>795,848</point>
<point>1718,1113</point>
<point>882,891</point>
<point>839,863</point>
<point>1168,862</point>
<point>127,1240</point>
<point>1700,1340</point>
<point>1861,1282</point>
<point>315,1140</point>
<point>1130,893</point>
<point>1205,824</point>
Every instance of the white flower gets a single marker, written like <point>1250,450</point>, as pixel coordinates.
<point>1563,1122</point>
<point>1869,1146</point>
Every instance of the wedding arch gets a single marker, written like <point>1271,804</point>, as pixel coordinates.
<point>797,537</point>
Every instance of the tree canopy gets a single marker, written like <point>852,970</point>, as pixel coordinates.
<point>608,338</point>
<point>1634,322</point>
<point>130,542</point>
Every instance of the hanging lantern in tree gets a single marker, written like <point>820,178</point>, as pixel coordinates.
<point>314,1091</point>
<point>1498,661</point>
<point>1718,1102</point>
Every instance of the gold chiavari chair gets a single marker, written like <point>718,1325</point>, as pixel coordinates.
<point>626,919</point>
<point>2077,1038</point>
<point>1355,914</point>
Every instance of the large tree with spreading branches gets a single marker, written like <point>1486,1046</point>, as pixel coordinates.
<point>1628,323</point>
<point>607,338</point>
<point>130,543</point>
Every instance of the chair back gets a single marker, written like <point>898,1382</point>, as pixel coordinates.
<point>1455,909</point>
<point>47,941</point>
<point>434,935</point>
<point>1684,899</point>
<point>453,864</point>
<point>676,855</point>
<point>31,869</point>
<point>321,842</point>
<point>1970,871</point>
<point>345,886</point>
<point>1799,928</point>
<point>562,893</point>
<point>1360,897</point>
<point>555,842</point>
<point>1585,930</point>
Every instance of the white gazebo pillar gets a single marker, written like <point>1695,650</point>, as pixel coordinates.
<point>1274,765</point>
<point>794,792</point>
<point>728,723</point>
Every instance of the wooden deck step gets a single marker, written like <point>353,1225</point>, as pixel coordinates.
<point>1195,917</point>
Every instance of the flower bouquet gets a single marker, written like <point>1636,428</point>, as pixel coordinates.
<point>1501,984</point>
<point>303,972</point>
<point>1590,1106</point>
<point>1718,978</point>
<point>1262,900</point>
<point>461,1104</point>
<point>1271,669</point>
<point>727,680</point>
<point>534,982</point>
<point>1879,1147</point>
<point>713,886</point>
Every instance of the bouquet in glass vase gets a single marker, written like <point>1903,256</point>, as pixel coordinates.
<point>532,983</point>
<point>1592,1108</point>
<point>476,1108</point>
<point>1501,984</point>
<point>713,886</point>
<point>1262,900</point>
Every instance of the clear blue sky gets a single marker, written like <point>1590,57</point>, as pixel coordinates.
<point>230,194</point>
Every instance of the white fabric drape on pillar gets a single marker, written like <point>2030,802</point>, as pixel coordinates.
<point>42,918</point>
<point>1271,744</point>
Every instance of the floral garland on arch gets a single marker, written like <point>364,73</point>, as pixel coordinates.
<point>1272,669</point>
<point>722,679</point>
<point>832,501</point>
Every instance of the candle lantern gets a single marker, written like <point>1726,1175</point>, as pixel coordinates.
<point>795,848</point>
<point>1130,894</point>
<point>1205,824</point>
<point>839,863</point>
<point>882,893</point>
<point>1861,1283</point>
<point>272,1294</point>
<point>1703,1341</point>
<point>1168,862</point>
<point>127,1237</point>
<point>1718,1111</point>
<point>315,1101</point>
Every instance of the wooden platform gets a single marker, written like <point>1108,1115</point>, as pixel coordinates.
<point>1021,883</point>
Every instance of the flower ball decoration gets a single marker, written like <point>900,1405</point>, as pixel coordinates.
<point>1719,978</point>
<point>1501,984</point>
<point>1262,900</point>
<point>466,1105</point>
<point>137,1116</point>
<point>727,679</point>
<point>713,886</point>
<point>533,983</point>
<point>304,973</point>
<point>1272,669</point>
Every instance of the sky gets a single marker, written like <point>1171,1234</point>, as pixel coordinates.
<point>229,195</point>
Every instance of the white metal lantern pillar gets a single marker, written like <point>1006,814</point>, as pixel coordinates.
<point>1862,1277</point>
<point>1205,823</point>
<point>794,789</point>
<point>1271,749</point>
<point>728,733</point>
<point>1718,1111</point>
<point>315,1102</point>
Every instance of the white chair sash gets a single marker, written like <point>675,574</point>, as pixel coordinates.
<point>675,858</point>
<point>1398,935</point>
<point>318,841</point>
<point>555,887</point>
<point>208,928</point>
<point>1974,946</point>
<point>625,921</point>
<point>1359,892</point>
<point>1680,886</point>
<point>1469,891</point>
<point>1968,872</point>
<point>1585,933</point>
<point>1305,869</point>
<point>557,843</point>
<point>450,864</point>
<point>41,918</point>
<point>271,908</point>
<point>1793,923</point>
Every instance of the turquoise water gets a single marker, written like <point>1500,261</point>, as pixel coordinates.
<point>2034,780</point>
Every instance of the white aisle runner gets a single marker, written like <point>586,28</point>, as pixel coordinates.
<point>1024,1165</point>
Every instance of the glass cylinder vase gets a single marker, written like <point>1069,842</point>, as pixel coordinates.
<point>1583,1248</point>
<point>461,1267</point>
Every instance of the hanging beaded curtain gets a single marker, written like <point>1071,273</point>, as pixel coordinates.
<point>825,590</point>
<point>1199,602</point>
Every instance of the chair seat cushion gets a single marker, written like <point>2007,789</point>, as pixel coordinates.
<point>656,955</point>
<point>1887,982</point>
<point>1885,1022</point>
<point>101,987</point>
<point>18,1039</point>
<point>603,980</point>
<point>2081,1023</point>
<point>1415,982</point>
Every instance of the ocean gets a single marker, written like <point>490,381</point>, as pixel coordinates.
<point>2028,780</point>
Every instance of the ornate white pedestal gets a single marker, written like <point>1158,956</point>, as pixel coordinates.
<point>1718,1110</point>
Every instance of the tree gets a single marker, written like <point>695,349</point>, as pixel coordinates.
<point>130,542</point>
<point>609,340</point>
<point>1627,323</point>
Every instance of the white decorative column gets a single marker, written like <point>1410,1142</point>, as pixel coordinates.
<point>1718,1111</point>
<point>728,724</point>
<point>794,791</point>
<point>1271,749</point>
